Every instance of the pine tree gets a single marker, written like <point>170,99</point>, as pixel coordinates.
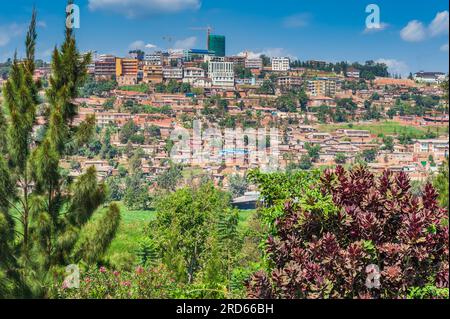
<point>45,216</point>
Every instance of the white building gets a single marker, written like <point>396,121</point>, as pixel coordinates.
<point>434,147</point>
<point>221,73</point>
<point>280,64</point>
<point>429,77</point>
<point>173,73</point>
<point>192,73</point>
<point>255,63</point>
<point>353,73</point>
<point>153,58</point>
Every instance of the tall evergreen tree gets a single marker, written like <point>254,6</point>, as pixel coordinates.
<point>45,216</point>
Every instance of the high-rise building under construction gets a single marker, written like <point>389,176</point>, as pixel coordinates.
<point>216,43</point>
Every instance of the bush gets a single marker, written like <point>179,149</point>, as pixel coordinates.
<point>377,223</point>
<point>152,283</point>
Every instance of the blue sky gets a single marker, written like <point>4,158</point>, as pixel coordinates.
<point>413,35</point>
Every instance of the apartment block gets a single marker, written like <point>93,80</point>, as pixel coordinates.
<point>280,64</point>
<point>436,148</point>
<point>172,73</point>
<point>152,74</point>
<point>127,71</point>
<point>105,67</point>
<point>221,73</point>
<point>322,87</point>
<point>153,58</point>
<point>192,74</point>
<point>255,63</point>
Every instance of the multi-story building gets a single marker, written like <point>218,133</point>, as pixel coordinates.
<point>221,73</point>
<point>280,64</point>
<point>152,73</point>
<point>192,74</point>
<point>289,81</point>
<point>429,77</point>
<point>172,73</point>
<point>196,54</point>
<point>105,67</point>
<point>237,60</point>
<point>353,72</point>
<point>254,63</point>
<point>433,147</point>
<point>126,66</point>
<point>154,58</point>
<point>127,71</point>
<point>216,44</point>
<point>322,87</point>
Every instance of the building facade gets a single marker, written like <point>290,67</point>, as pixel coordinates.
<point>105,67</point>
<point>152,74</point>
<point>221,73</point>
<point>216,44</point>
<point>280,64</point>
<point>322,87</point>
<point>172,73</point>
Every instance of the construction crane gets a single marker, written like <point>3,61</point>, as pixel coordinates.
<point>208,30</point>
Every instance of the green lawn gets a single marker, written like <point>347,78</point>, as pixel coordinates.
<point>122,249</point>
<point>385,127</point>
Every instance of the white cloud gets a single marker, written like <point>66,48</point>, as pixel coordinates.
<point>150,46</point>
<point>137,45</point>
<point>444,47</point>
<point>382,26</point>
<point>440,24</point>
<point>187,43</point>
<point>134,8</point>
<point>8,32</point>
<point>413,32</point>
<point>395,66</point>
<point>299,20</point>
<point>141,45</point>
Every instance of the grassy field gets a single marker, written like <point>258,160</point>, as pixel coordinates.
<point>124,245</point>
<point>122,250</point>
<point>386,128</point>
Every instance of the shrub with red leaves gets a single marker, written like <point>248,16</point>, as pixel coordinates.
<point>378,231</point>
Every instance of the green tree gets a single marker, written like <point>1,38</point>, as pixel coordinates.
<point>441,183</point>
<point>305,162</point>
<point>369,155</point>
<point>313,151</point>
<point>238,185</point>
<point>185,227</point>
<point>49,210</point>
<point>388,143</point>
<point>340,158</point>
<point>170,178</point>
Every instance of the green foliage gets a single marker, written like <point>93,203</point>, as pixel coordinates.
<point>441,183</point>
<point>313,151</point>
<point>428,292</point>
<point>100,88</point>
<point>97,235</point>
<point>187,233</point>
<point>50,209</point>
<point>146,252</point>
<point>275,188</point>
<point>340,158</point>
<point>169,179</point>
<point>238,185</point>
<point>102,283</point>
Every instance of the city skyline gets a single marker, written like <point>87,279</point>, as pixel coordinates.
<point>416,39</point>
